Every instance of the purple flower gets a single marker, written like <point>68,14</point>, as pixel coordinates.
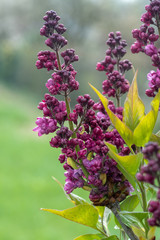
<point>45,126</point>
<point>73,180</point>
<point>150,49</point>
<point>154,81</point>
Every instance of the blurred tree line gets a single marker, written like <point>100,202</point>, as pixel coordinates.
<point>88,23</point>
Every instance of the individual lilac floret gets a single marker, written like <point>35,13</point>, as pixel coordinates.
<point>73,179</point>
<point>154,83</point>
<point>45,126</point>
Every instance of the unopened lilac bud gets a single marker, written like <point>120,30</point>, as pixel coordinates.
<point>153,205</point>
<point>60,29</point>
<point>152,221</point>
<point>139,177</point>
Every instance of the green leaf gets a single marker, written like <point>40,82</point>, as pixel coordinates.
<point>155,138</point>
<point>158,133</point>
<point>139,215</point>
<point>100,210</point>
<point>139,232</point>
<point>113,237</point>
<point>96,237</point>
<point>151,192</point>
<point>151,233</point>
<point>133,106</point>
<point>90,237</point>
<point>143,131</point>
<point>133,218</point>
<point>71,163</point>
<point>130,203</point>
<point>84,214</point>
<point>75,199</point>
<point>128,165</point>
<point>123,130</point>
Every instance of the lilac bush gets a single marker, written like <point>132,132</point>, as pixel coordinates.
<point>102,143</point>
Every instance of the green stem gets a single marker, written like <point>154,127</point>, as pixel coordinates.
<point>144,197</point>
<point>118,99</point>
<point>145,207</point>
<point>58,60</point>
<point>68,112</point>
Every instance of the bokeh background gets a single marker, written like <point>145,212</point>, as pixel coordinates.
<point>27,161</point>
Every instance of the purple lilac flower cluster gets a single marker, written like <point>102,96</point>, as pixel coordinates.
<point>84,152</point>
<point>146,38</point>
<point>150,173</point>
<point>115,85</point>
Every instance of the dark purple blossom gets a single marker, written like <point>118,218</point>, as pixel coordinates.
<point>47,59</point>
<point>45,126</point>
<point>154,83</point>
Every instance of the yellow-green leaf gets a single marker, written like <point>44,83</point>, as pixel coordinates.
<point>133,106</point>
<point>130,203</point>
<point>155,138</point>
<point>75,199</point>
<point>85,214</point>
<point>96,237</point>
<point>128,165</point>
<point>130,162</point>
<point>90,237</point>
<point>143,131</point>
<point>71,163</point>
<point>139,232</point>
<point>100,210</point>
<point>123,130</point>
<point>151,233</point>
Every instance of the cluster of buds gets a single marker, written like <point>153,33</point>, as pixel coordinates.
<point>150,173</point>
<point>145,42</point>
<point>115,85</point>
<point>84,152</point>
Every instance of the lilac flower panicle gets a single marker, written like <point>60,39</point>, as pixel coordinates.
<point>83,142</point>
<point>146,39</point>
<point>115,85</point>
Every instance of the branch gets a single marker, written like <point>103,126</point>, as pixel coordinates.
<point>127,230</point>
